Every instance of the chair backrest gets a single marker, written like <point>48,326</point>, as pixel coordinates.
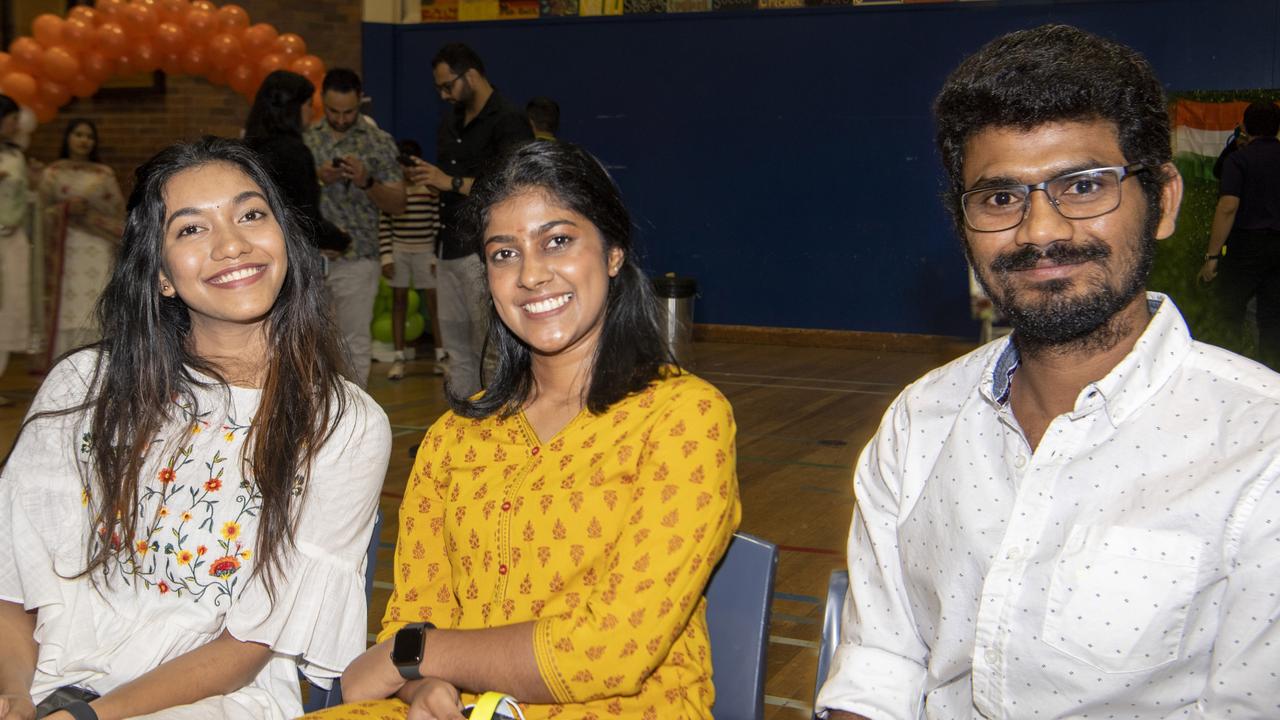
<point>832,619</point>
<point>317,697</point>
<point>739,603</point>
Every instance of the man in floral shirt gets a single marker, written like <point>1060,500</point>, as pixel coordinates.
<point>360,178</point>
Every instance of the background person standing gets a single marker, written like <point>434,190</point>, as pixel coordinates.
<point>356,163</point>
<point>481,127</point>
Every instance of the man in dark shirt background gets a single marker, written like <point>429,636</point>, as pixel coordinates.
<point>481,127</point>
<point>1247,221</point>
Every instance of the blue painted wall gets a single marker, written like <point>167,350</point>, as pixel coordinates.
<point>785,159</point>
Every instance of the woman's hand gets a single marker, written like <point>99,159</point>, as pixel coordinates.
<point>435,699</point>
<point>1209,270</point>
<point>17,707</point>
<point>372,676</point>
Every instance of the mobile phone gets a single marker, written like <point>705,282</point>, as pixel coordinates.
<point>338,162</point>
<point>407,160</point>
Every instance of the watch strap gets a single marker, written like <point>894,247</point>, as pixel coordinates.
<point>81,710</point>
<point>456,183</point>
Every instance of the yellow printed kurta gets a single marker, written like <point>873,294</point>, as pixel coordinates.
<point>606,536</point>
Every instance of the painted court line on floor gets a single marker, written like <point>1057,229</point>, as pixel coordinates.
<point>789,703</point>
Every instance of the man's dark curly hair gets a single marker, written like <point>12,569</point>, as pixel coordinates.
<point>1054,73</point>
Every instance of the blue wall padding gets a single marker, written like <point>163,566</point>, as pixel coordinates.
<point>785,159</point>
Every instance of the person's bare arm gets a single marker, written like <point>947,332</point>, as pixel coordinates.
<point>219,667</point>
<point>17,662</point>
<point>1224,217</point>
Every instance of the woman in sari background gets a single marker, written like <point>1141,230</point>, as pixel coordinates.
<point>84,213</point>
<point>15,248</point>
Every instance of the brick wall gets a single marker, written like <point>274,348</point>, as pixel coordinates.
<point>134,128</point>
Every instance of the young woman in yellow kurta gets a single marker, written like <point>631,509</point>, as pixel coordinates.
<point>559,529</point>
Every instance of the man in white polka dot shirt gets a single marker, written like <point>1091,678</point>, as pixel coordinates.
<point>1082,520</point>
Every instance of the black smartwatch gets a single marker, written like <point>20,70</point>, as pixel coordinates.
<point>456,183</point>
<point>406,649</point>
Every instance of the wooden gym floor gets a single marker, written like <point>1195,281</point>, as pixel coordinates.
<point>803,415</point>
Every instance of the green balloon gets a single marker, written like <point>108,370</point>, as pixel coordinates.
<point>381,328</point>
<point>414,302</point>
<point>413,327</point>
<point>381,306</point>
<point>384,289</point>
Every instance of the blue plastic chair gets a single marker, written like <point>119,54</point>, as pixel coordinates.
<point>832,620</point>
<point>739,603</point>
<point>317,697</point>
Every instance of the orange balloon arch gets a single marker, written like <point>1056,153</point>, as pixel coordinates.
<point>72,56</point>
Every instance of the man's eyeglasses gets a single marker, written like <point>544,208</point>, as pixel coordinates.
<point>1076,196</point>
<point>447,85</point>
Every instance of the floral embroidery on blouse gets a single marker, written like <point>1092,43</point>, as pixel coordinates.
<point>194,546</point>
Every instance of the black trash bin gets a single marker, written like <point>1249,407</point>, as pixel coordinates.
<point>676,295</point>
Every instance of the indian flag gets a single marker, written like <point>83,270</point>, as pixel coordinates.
<point>1200,132</point>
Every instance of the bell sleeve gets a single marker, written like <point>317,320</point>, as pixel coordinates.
<point>318,613</point>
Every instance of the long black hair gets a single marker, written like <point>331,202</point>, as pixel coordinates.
<point>65,151</point>
<point>145,365</point>
<point>277,108</point>
<point>630,353</point>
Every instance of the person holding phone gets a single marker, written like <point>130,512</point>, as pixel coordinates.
<point>360,179</point>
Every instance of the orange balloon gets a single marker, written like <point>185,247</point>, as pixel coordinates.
<point>269,63</point>
<point>242,78</point>
<point>27,52</point>
<point>199,23</point>
<point>20,86</point>
<point>256,40</point>
<point>170,37</point>
<point>172,10</point>
<point>224,50</point>
<point>83,13</point>
<point>96,66</point>
<point>77,34</point>
<point>195,60</point>
<point>138,20</point>
<point>5,63</point>
<point>171,62</point>
<point>308,66</point>
<point>317,105</point>
<point>204,5</point>
<point>47,29</point>
<point>232,17</point>
<point>290,45</point>
<point>43,111</point>
<point>82,87</point>
<point>216,75</point>
<point>60,64</point>
<point>144,55</point>
<point>108,8</point>
<point>112,39</point>
<point>126,65</point>
<point>54,93</point>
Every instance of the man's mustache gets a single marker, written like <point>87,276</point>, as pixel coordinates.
<point>1059,253</point>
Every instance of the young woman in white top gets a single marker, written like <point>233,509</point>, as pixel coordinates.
<point>185,513</point>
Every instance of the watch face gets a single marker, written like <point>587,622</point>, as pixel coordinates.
<point>407,647</point>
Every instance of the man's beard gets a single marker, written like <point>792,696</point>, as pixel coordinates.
<point>1049,316</point>
<point>343,127</point>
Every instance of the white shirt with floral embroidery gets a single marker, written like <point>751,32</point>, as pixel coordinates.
<point>190,577</point>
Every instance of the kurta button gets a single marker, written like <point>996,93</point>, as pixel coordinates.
<point>1019,461</point>
<point>502,569</point>
<point>535,450</point>
<point>506,505</point>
